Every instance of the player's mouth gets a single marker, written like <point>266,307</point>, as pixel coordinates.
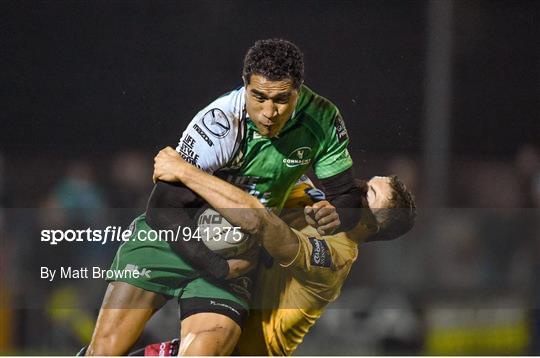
<point>268,130</point>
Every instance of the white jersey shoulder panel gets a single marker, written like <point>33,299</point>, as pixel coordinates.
<point>215,133</point>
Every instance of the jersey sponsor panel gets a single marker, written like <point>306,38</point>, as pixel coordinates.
<point>341,130</point>
<point>203,135</point>
<point>215,133</point>
<point>320,255</point>
<point>216,123</point>
<point>186,149</point>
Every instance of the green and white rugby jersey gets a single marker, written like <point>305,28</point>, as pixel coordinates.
<point>222,140</point>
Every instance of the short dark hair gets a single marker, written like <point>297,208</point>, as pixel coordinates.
<point>399,216</point>
<point>275,59</point>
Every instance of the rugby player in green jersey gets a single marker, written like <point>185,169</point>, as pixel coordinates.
<point>261,137</point>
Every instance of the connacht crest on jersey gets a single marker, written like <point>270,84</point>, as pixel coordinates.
<point>299,156</point>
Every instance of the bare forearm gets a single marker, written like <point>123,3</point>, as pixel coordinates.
<point>216,191</point>
<point>237,206</point>
<point>225,198</point>
<point>279,240</point>
<point>253,218</point>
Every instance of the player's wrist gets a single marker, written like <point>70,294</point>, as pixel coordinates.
<point>179,173</point>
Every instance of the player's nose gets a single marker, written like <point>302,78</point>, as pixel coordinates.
<point>269,113</point>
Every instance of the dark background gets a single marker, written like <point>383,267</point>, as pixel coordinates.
<point>97,76</point>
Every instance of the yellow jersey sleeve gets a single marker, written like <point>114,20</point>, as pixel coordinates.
<point>322,264</point>
<point>290,298</point>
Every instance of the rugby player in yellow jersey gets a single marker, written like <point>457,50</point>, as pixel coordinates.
<point>309,270</point>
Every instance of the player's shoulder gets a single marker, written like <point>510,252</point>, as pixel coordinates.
<point>338,247</point>
<point>215,133</point>
<point>318,113</point>
<point>224,112</point>
<point>322,263</point>
<point>342,244</point>
<point>316,106</point>
<point>232,101</point>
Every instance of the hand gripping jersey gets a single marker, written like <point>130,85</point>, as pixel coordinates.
<point>222,140</point>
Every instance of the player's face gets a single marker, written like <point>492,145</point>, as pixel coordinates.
<point>379,192</point>
<point>270,104</point>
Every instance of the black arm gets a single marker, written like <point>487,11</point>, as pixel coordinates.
<point>172,205</point>
<point>342,192</point>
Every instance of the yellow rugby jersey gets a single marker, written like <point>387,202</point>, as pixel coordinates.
<point>289,299</point>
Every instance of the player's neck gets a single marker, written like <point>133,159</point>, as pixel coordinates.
<point>361,232</point>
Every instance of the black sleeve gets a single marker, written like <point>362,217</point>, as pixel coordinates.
<point>173,205</point>
<point>342,192</point>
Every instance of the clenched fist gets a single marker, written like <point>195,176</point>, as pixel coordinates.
<point>323,216</point>
<point>168,165</point>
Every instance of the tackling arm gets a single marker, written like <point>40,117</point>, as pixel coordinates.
<point>167,209</point>
<point>253,217</point>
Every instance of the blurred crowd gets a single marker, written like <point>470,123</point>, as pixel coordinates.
<point>464,281</point>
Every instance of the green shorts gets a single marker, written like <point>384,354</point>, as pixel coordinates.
<point>163,271</point>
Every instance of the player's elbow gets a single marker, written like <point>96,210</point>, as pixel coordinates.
<point>257,221</point>
<point>254,217</point>
<point>254,221</point>
<point>167,205</point>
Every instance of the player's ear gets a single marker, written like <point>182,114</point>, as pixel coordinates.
<point>246,82</point>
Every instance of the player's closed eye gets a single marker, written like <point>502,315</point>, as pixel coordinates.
<point>259,98</point>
